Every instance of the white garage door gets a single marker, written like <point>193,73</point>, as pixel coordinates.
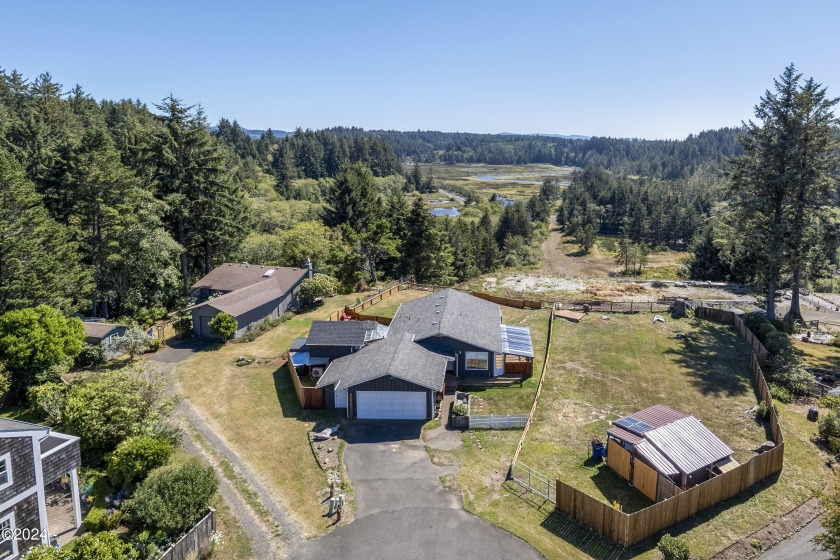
<point>391,405</point>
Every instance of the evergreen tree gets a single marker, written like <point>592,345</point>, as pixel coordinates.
<point>353,200</point>
<point>39,263</point>
<point>426,254</point>
<point>781,179</point>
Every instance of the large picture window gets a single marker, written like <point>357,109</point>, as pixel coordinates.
<point>477,360</point>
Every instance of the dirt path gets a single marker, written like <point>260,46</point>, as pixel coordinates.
<point>558,258</point>
<point>259,535</point>
<point>286,534</point>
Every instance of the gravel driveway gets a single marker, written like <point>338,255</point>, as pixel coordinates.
<point>402,510</point>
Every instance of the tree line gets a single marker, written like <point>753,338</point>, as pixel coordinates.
<point>662,159</point>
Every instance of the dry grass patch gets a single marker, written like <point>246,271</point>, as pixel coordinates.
<point>254,408</point>
<point>615,290</point>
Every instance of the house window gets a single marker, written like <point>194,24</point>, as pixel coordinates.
<point>8,542</point>
<point>477,360</point>
<point>5,471</point>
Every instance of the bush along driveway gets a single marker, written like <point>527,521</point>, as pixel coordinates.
<point>402,510</point>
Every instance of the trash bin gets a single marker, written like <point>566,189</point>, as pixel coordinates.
<point>813,414</point>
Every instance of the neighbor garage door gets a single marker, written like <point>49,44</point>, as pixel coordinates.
<point>391,405</point>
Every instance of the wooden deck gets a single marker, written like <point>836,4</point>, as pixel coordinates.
<point>505,380</point>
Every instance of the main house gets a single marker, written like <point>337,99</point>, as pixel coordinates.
<point>35,462</point>
<point>466,329</point>
<point>248,292</point>
<point>399,373</point>
<point>659,448</point>
<point>330,340</point>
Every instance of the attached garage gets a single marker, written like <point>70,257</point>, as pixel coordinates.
<point>391,379</point>
<point>395,405</point>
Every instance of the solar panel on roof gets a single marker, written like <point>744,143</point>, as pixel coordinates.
<point>633,425</point>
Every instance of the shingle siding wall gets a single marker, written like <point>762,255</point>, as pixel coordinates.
<point>61,462</point>
<point>452,347</point>
<point>26,517</point>
<point>388,383</point>
<point>23,466</point>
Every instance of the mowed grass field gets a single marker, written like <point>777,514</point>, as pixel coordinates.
<point>601,370</point>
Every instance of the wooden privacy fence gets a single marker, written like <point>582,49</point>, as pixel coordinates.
<point>309,397</point>
<point>511,302</point>
<point>628,529</point>
<point>721,316</point>
<point>356,316</point>
<point>196,543</point>
<point>494,422</point>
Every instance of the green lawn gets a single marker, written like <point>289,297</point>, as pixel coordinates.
<point>601,370</point>
<point>256,410</point>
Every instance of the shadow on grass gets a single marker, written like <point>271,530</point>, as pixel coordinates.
<point>716,358</point>
<point>703,516</point>
<point>580,536</point>
<point>289,404</point>
<point>616,489</point>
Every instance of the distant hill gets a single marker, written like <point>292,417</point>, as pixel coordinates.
<point>568,136</point>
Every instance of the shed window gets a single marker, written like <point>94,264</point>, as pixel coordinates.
<point>477,360</point>
<point>8,543</point>
<point>5,471</point>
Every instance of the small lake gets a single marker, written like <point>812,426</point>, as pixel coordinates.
<point>445,212</point>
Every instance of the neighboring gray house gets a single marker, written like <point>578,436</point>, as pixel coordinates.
<point>248,292</point>
<point>103,334</point>
<point>33,461</point>
<point>466,329</point>
<point>391,379</point>
<point>328,340</point>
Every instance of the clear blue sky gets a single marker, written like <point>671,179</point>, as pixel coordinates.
<point>616,68</point>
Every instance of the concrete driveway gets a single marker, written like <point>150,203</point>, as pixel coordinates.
<point>402,510</point>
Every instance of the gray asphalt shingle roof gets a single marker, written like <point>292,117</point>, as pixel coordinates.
<point>396,355</point>
<point>453,314</point>
<point>245,299</point>
<point>344,333</point>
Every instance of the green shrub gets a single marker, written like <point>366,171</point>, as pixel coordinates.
<point>829,426</point>
<point>317,287</point>
<point>135,458</point>
<point>762,411</point>
<point>173,497</point>
<point>223,325</point>
<point>780,394</point>
<point>47,401</point>
<point>184,326</point>
<point>829,401</point>
<point>92,355</point>
<point>154,345</point>
<point>45,552</point>
<point>834,445</point>
<point>786,327</point>
<point>460,409</point>
<point>673,548</point>
<point>93,520</point>
<point>102,546</point>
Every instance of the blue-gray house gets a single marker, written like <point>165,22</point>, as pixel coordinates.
<point>402,376</point>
